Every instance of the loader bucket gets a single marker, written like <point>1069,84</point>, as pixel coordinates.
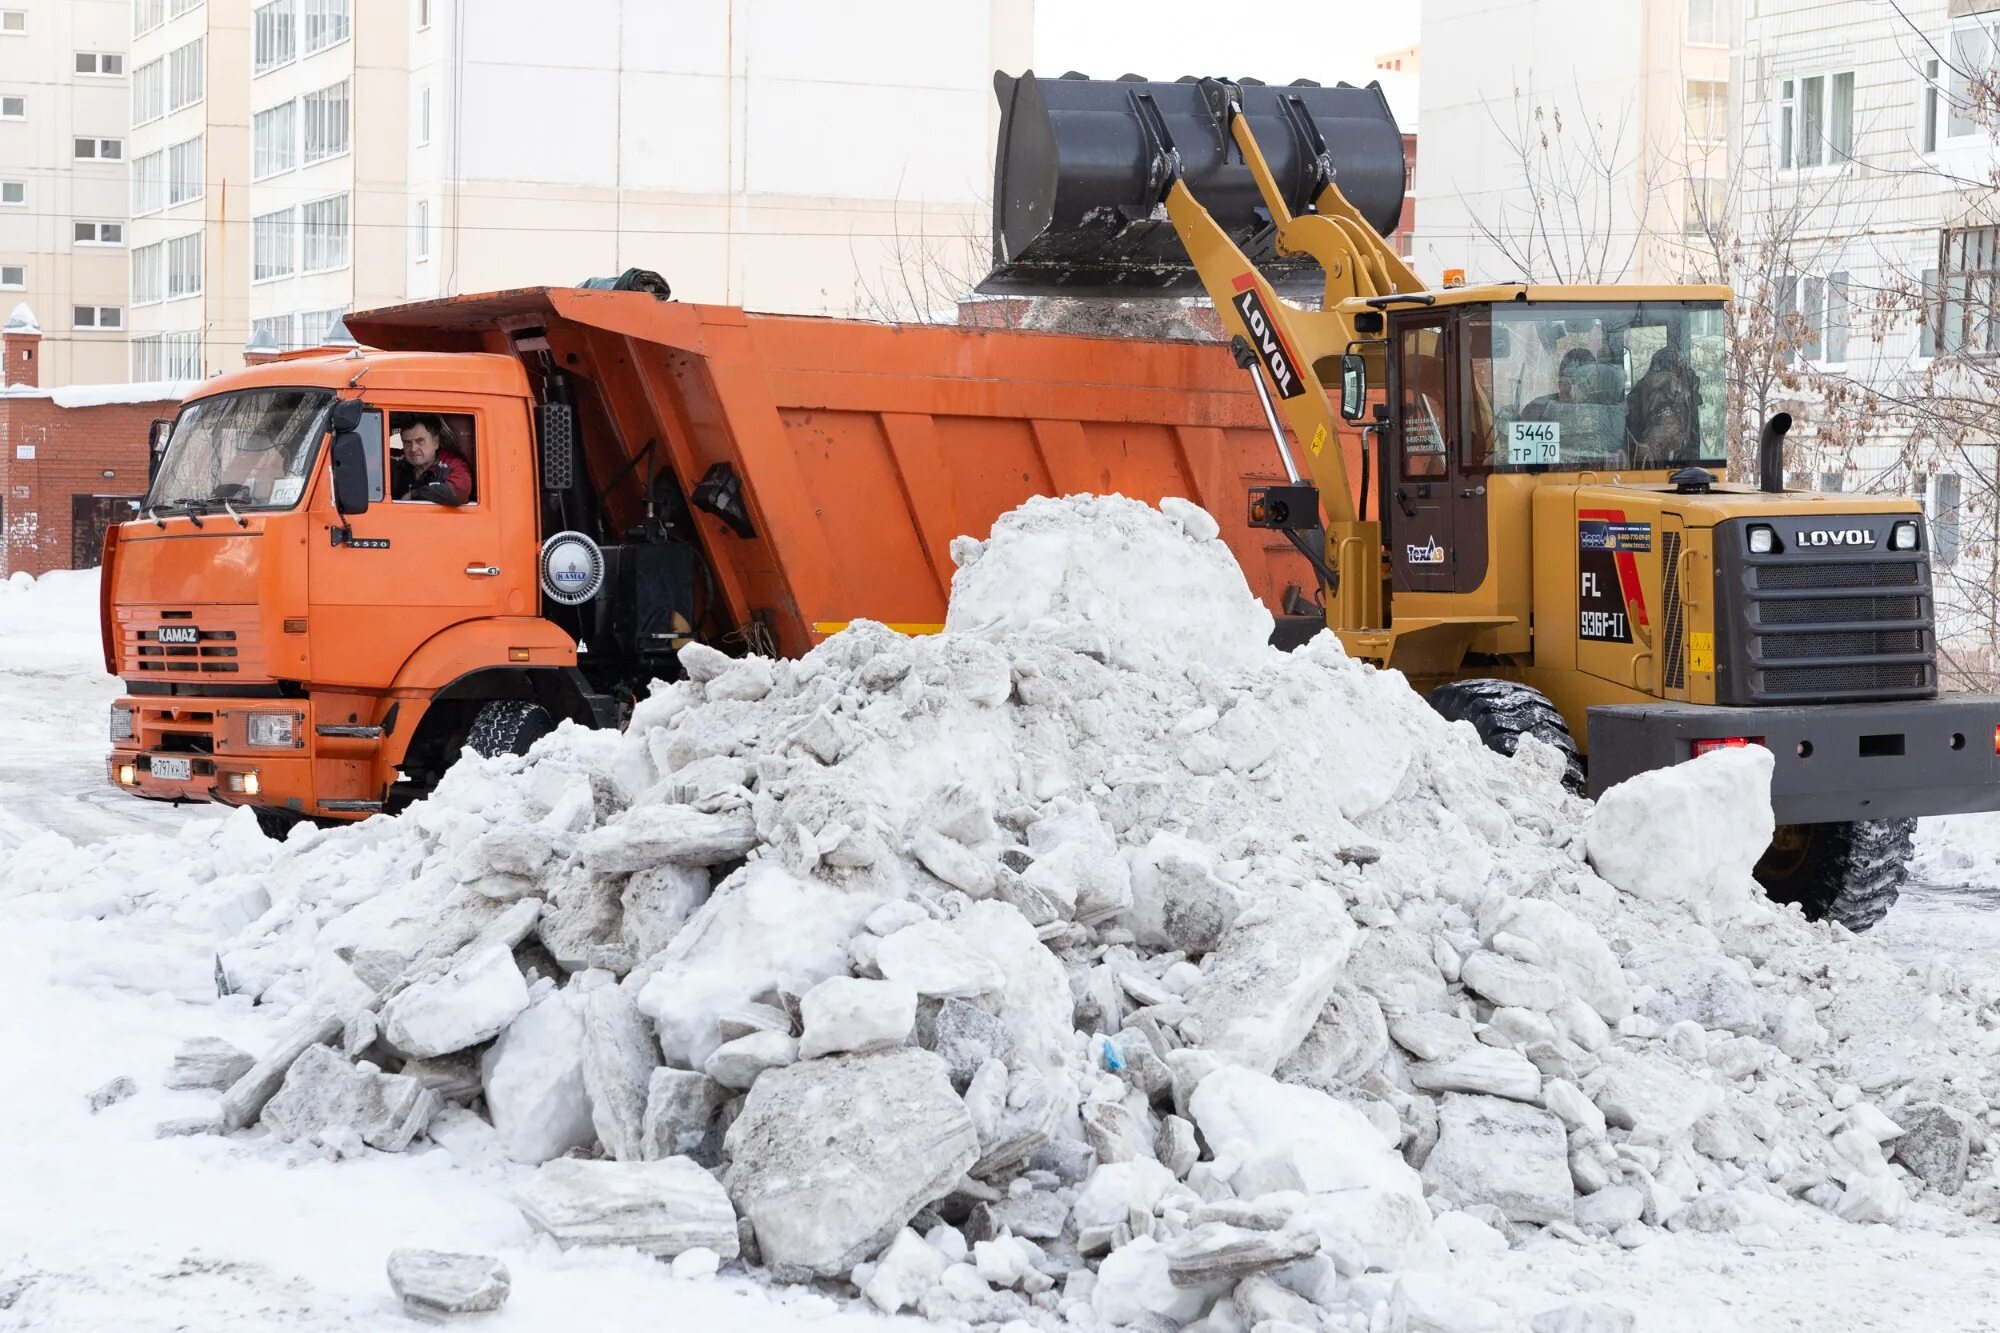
<point>1083,165</point>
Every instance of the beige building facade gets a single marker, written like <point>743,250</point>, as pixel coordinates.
<point>63,149</point>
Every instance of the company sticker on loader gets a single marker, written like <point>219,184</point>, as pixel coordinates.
<point>1534,443</point>
<point>1608,594</point>
<point>1264,339</point>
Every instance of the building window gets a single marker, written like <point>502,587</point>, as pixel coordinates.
<point>276,40</point>
<point>14,277</point>
<point>166,356</point>
<point>423,116</point>
<point>1704,207</point>
<point>275,245</point>
<point>315,325</point>
<point>13,106</point>
<point>14,193</point>
<point>326,24</point>
<point>421,242</point>
<point>13,20</point>
<point>98,150</point>
<point>326,123</point>
<point>1707,111</point>
<point>1821,307</point>
<point>149,184</point>
<point>1815,120</point>
<point>1969,303</point>
<point>277,327</point>
<point>105,64</point>
<point>98,233</point>
<point>1708,22</point>
<point>325,234</point>
<point>187,74</point>
<point>275,137</point>
<point>1832,481</point>
<point>97,317</point>
<point>149,92</point>
<point>149,274</point>
<point>1969,83</point>
<point>184,266</point>
<point>180,7</point>
<point>184,172</point>
<point>148,15</point>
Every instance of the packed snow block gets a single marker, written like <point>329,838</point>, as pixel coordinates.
<point>1178,901</point>
<point>323,1092</point>
<point>1573,950</point>
<point>1493,1070</point>
<point>1651,1092</point>
<point>439,1287</point>
<point>1389,964</point>
<point>1504,1153</point>
<point>1219,1252</point>
<point>619,1056</point>
<point>1583,1317</point>
<point>584,915</point>
<point>965,1037</point>
<point>1509,981</point>
<point>533,1077</point>
<point>762,929</point>
<point>848,1014</point>
<point>1688,834</point>
<point>454,1078</point>
<point>467,1005</point>
<point>1135,1287</point>
<point>1690,985</point>
<point>112,1093</point>
<point>656,903</point>
<point>830,1158</point>
<point>245,1100</point>
<point>682,1110</point>
<point>1110,577</point>
<point>1366,1203</point>
<point>1348,1041</point>
<point>1033,1000</point>
<point>662,1208</point>
<point>909,1268</point>
<point>1261,991</point>
<point>509,862</point>
<point>936,962</point>
<point>651,835</point>
<point>1077,863</point>
<point>206,1063</point>
<point>1934,1146</point>
<point>738,1062</point>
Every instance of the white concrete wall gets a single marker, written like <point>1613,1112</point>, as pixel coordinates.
<point>39,151</point>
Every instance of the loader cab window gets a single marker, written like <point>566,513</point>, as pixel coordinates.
<point>1598,386</point>
<point>432,458</point>
<point>1420,379</point>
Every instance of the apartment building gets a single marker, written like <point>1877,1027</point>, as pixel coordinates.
<point>1613,116</point>
<point>63,152</point>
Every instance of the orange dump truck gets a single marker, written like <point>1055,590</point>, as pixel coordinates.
<point>295,638</point>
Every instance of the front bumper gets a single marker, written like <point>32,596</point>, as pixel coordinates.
<point>1835,762</point>
<point>207,736</point>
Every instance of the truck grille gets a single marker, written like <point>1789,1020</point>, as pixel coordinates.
<point>1823,625</point>
<point>208,642</point>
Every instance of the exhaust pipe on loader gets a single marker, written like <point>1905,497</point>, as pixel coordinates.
<point>1083,165</point>
<point>1771,454</point>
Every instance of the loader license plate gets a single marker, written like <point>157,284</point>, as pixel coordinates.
<point>1535,443</point>
<point>173,770</point>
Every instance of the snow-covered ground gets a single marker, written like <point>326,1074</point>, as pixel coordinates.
<point>104,1226</point>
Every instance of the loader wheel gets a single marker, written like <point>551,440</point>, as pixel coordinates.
<point>1503,711</point>
<point>508,726</point>
<point>1850,873</point>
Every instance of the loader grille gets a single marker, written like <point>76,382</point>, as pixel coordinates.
<point>1673,652</point>
<point>1819,625</point>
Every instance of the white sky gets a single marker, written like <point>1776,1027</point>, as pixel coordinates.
<point>1322,40</point>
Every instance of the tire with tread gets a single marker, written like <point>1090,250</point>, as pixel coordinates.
<point>1502,712</point>
<point>508,726</point>
<point>1850,873</point>
<point>276,824</point>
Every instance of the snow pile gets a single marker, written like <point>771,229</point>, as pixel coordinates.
<point>1090,963</point>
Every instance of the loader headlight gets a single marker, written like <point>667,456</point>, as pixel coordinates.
<point>1903,537</point>
<point>121,723</point>
<point>1763,540</point>
<point>271,730</point>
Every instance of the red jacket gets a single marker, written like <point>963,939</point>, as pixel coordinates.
<point>448,471</point>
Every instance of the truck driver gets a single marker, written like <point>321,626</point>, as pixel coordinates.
<point>430,468</point>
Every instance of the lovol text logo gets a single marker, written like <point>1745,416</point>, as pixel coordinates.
<point>1271,350</point>
<point>1430,553</point>
<point>1835,537</point>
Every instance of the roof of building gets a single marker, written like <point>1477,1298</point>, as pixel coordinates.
<point>22,321</point>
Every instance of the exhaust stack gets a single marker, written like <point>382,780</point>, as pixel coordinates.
<point>1771,454</point>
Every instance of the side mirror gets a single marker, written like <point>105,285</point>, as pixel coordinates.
<point>346,415</point>
<point>1353,387</point>
<point>157,436</point>
<point>350,474</point>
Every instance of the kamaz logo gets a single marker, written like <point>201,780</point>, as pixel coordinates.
<point>1264,337</point>
<point>1835,537</point>
<point>179,634</point>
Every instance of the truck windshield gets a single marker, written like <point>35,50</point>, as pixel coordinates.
<point>1596,386</point>
<point>249,450</point>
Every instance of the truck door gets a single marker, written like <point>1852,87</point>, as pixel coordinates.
<point>411,569</point>
<point>1424,441</point>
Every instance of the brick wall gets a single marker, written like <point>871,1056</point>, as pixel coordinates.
<point>68,451</point>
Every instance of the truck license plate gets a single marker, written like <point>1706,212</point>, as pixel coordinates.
<point>174,770</point>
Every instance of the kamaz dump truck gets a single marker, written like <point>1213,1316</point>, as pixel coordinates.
<point>1536,534</point>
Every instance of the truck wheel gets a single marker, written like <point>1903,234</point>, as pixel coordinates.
<point>275,824</point>
<point>1850,873</point>
<point>1503,711</point>
<point>508,726</point>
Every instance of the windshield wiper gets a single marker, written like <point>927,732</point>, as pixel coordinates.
<point>191,508</point>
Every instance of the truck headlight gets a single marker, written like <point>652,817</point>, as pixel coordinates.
<point>1763,540</point>
<point>1903,537</point>
<point>121,723</point>
<point>271,730</point>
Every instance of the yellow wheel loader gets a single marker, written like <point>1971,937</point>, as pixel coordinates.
<point>1541,539</point>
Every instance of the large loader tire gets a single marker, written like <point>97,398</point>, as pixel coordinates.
<point>508,726</point>
<point>1850,873</point>
<point>1503,711</point>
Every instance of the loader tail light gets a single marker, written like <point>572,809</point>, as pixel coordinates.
<point>1702,747</point>
<point>1996,740</point>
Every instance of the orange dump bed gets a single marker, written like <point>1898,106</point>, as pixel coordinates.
<point>863,449</point>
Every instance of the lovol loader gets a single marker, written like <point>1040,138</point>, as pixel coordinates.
<point>1537,535</point>
<point>1540,538</point>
